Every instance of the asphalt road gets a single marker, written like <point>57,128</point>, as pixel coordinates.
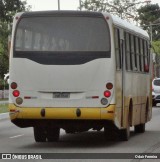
<point>21,140</point>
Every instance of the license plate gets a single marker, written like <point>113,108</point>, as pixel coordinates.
<point>61,95</point>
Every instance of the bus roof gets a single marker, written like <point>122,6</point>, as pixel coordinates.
<point>61,13</point>
<point>130,27</point>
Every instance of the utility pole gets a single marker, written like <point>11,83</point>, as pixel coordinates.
<point>58,4</point>
<point>80,5</point>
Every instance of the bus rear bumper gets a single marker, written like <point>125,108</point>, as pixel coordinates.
<point>32,115</point>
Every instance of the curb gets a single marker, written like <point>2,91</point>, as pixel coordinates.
<point>4,115</point>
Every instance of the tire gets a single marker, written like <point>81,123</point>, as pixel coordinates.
<point>70,131</point>
<point>124,134</point>
<point>139,128</point>
<point>110,133</point>
<point>154,103</point>
<point>53,134</point>
<point>39,134</point>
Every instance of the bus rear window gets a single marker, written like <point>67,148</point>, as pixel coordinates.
<point>62,34</point>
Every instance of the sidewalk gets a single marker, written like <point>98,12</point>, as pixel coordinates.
<point>4,115</point>
<point>4,102</point>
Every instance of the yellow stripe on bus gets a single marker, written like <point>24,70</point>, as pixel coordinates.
<point>61,113</point>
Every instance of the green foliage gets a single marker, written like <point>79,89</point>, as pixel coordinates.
<point>94,5</point>
<point>3,108</point>
<point>4,63</point>
<point>122,8</point>
<point>156,47</point>
<point>148,15</point>
<point>8,8</point>
<point>3,85</point>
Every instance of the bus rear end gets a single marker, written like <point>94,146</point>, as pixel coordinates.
<point>61,73</point>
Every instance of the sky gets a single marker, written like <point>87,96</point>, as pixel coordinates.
<point>53,4</point>
<point>64,4</point>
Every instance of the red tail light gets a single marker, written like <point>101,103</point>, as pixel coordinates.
<point>107,94</point>
<point>13,85</point>
<point>16,93</point>
<point>109,86</point>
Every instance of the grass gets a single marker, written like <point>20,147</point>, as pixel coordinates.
<point>5,99</point>
<point>3,108</point>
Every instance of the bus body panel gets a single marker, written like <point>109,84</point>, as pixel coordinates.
<point>81,81</point>
<point>138,93</point>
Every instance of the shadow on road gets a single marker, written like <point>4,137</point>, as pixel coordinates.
<point>91,139</point>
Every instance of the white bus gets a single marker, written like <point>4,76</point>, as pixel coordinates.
<point>79,70</point>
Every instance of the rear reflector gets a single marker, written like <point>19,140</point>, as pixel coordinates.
<point>12,110</point>
<point>110,111</point>
<point>104,101</point>
<point>27,97</point>
<point>19,100</point>
<point>94,97</point>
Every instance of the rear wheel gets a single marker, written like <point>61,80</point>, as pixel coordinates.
<point>39,134</point>
<point>139,128</point>
<point>109,134</point>
<point>154,103</point>
<point>70,131</point>
<point>124,134</point>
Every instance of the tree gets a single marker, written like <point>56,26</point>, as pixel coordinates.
<point>148,16</point>
<point>122,8</point>
<point>8,8</point>
<point>156,46</point>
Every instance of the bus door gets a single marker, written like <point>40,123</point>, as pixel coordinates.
<point>122,54</point>
<point>120,75</point>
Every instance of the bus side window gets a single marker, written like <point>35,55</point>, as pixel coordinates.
<point>141,55</point>
<point>117,48</point>
<point>148,52</point>
<point>139,50</point>
<point>137,53</point>
<point>146,64</point>
<point>128,56</point>
<point>134,68</point>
